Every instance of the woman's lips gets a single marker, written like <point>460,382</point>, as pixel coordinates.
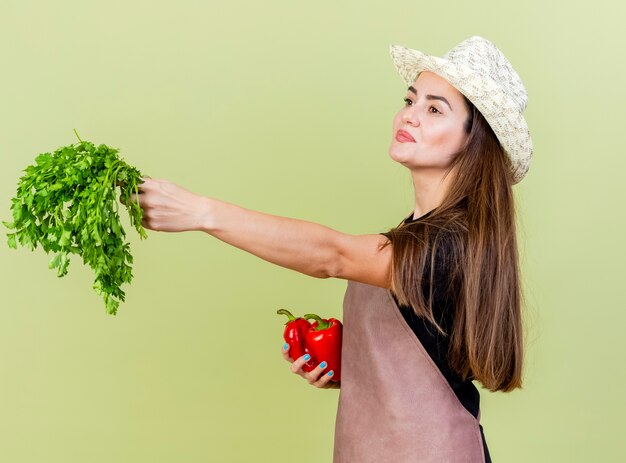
<point>404,137</point>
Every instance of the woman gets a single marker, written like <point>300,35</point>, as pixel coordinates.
<point>433,303</point>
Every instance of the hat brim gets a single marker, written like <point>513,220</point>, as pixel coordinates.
<point>498,109</point>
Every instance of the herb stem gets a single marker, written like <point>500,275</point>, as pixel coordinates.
<point>77,136</point>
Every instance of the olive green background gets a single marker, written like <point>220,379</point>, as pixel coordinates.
<point>285,107</point>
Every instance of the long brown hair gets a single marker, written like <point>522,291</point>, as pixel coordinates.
<point>476,222</point>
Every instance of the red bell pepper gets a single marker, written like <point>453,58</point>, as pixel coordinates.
<point>295,330</point>
<point>323,339</point>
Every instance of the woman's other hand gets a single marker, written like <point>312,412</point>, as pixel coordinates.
<point>317,377</point>
<point>169,207</point>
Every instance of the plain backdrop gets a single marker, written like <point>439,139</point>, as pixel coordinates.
<point>285,107</point>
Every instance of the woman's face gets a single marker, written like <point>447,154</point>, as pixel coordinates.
<point>433,115</point>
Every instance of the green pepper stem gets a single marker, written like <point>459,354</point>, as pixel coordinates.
<point>321,324</point>
<point>286,312</point>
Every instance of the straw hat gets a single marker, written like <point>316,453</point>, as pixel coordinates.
<point>479,70</point>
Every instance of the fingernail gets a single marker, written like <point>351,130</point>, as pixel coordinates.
<point>330,373</point>
<point>285,346</point>
<point>323,365</point>
<point>307,357</point>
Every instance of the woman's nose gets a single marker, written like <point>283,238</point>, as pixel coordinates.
<point>410,116</point>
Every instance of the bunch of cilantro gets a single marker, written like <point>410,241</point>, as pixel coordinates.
<point>67,203</point>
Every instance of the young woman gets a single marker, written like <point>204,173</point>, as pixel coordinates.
<point>432,304</point>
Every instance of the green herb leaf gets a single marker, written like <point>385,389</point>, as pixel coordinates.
<point>54,263</point>
<point>11,240</point>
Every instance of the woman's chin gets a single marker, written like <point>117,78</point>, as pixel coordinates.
<point>397,155</point>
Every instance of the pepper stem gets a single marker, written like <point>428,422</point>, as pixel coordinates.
<point>321,324</point>
<point>286,312</point>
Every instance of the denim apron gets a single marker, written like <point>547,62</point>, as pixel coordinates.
<point>395,405</point>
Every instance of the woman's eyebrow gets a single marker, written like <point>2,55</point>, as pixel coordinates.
<point>432,97</point>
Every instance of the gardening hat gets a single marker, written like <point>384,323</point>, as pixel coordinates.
<point>481,72</point>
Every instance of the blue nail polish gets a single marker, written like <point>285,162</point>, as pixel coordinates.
<point>285,346</point>
<point>323,365</point>
<point>330,373</point>
<point>307,357</point>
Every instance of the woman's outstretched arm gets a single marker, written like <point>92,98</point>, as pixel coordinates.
<point>306,247</point>
<point>299,245</point>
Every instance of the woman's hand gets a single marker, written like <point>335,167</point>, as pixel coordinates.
<point>169,207</point>
<point>316,377</point>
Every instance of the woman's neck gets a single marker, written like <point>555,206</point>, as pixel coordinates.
<point>429,191</point>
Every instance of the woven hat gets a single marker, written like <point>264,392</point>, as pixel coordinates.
<point>481,72</point>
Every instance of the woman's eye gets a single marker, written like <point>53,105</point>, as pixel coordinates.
<point>431,109</point>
